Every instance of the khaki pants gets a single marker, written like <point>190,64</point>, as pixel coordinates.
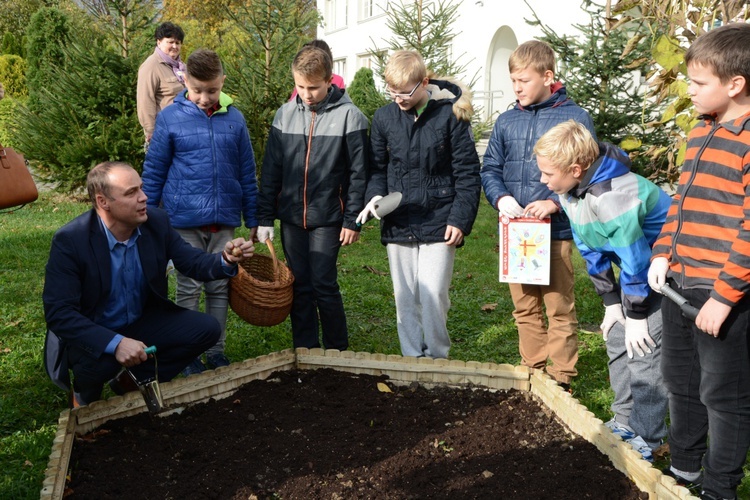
<point>559,341</point>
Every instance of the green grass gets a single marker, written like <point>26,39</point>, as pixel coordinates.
<point>30,404</point>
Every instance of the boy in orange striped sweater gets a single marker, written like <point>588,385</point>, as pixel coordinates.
<point>703,252</point>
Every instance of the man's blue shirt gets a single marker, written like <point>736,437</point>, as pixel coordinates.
<point>125,303</point>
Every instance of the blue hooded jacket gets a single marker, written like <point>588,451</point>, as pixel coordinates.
<point>201,168</point>
<point>616,216</point>
<point>509,166</point>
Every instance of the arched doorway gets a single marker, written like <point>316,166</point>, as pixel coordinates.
<point>498,89</point>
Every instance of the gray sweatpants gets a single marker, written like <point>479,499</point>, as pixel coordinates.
<point>188,293</point>
<point>421,275</point>
<point>640,395</point>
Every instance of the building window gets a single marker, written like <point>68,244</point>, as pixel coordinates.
<point>339,67</point>
<point>336,12</point>
<point>371,8</point>
<point>366,61</point>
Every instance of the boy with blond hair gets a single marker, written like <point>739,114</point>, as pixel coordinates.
<point>423,148</point>
<point>313,181</point>
<point>703,252</point>
<point>615,216</point>
<point>511,184</point>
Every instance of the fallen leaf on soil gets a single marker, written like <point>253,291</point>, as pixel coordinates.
<point>383,387</point>
<point>487,474</point>
<point>93,435</point>
<point>489,307</point>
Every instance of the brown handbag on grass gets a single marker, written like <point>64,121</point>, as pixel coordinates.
<point>16,184</point>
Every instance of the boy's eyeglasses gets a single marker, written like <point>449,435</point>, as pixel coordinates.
<point>403,97</point>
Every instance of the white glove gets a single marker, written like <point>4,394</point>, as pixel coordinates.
<point>637,337</point>
<point>657,273</point>
<point>369,211</point>
<point>264,233</point>
<point>509,207</point>
<point>612,314</point>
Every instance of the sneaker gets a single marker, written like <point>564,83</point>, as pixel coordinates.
<point>195,366</point>
<point>642,447</point>
<point>216,360</point>
<point>621,430</point>
<point>691,485</point>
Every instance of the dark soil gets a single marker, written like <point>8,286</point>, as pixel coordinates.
<point>325,434</point>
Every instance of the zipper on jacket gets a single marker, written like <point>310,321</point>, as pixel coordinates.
<point>526,190</point>
<point>307,169</point>
<point>688,184</point>
<point>215,170</point>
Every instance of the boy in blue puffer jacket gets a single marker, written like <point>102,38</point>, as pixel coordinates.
<point>510,179</point>
<point>200,167</point>
<point>616,216</point>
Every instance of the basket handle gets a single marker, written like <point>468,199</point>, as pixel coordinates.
<point>273,256</point>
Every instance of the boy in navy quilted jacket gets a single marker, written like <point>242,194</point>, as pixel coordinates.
<point>510,178</point>
<point>200,168</point>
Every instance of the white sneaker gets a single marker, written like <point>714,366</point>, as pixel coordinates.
<point>623,431</point>
<point>642,447</point>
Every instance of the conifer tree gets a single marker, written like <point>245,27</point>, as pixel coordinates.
<point>364,93</point>
<point>602,68</point>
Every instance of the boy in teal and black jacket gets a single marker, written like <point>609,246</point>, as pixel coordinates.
<point>616,216</point>
<point>313,181</point>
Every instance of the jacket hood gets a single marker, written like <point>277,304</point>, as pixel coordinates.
<point>558,97</point>
<point>335,97</point>
<point>454,92</point>
<point>224,101</point>
<point>612,162</point>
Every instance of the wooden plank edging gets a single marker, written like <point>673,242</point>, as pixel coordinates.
<point>195,389</point>
<point>625,459</point>
<point>405,369</point>
<point>223,382</point>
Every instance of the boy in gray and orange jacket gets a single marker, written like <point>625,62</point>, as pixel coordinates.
<point>703,253</point>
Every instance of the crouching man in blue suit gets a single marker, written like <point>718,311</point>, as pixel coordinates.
<point>105,291</point>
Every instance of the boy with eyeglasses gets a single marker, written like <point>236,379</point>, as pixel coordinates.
<point>422,146</point>
<point>512,185</point>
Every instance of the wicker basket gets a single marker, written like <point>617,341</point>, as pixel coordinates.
<point>261,292</point>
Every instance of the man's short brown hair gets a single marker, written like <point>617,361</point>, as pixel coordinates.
<point>204,65</point>
<point>726,50</point>
<point>533,54</point>
<point>567,144</point>
<point>312,62</point>
<point>97,180</point>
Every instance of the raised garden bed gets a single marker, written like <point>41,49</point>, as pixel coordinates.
<point>326,434</point>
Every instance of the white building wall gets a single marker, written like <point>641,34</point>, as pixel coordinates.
<point>487,32</point>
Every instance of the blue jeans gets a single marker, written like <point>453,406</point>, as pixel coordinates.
<point>311,255</point>
<point>640,397</point>
<point>708,380</point>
